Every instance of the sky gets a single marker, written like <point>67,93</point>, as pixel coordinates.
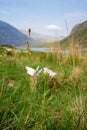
<point>49,17</point>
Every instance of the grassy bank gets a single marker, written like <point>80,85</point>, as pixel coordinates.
<point>58,103</point>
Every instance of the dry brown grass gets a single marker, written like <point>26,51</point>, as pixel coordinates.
<point>75,76</point>
<point>78,109</point>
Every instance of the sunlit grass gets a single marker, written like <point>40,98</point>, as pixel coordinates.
<point>43,103</point>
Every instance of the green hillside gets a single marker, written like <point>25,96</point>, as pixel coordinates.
<point>78,35</point>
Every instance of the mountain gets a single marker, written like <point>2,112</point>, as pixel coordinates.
<point>41,38</point>
<point>79,27</point>
<point>9,35</point>
<point>78,35</point>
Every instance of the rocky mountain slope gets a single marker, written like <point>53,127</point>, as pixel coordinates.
<point>79,27</point>
<point>78,35</point>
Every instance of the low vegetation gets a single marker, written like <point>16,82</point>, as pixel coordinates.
<point>58,103</point>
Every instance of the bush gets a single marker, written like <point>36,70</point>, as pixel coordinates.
<point>2,50</point>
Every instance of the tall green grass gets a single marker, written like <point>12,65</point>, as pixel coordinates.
<point>58,103</point>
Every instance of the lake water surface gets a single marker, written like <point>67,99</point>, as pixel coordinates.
<point>59,51</point>
<point>51,50</point>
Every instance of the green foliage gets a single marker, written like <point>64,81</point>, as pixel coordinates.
<point>9,53</point>
<point>55,103</point>
<point>2,50</point>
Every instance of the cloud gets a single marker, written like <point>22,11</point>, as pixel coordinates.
<point>54,27</point>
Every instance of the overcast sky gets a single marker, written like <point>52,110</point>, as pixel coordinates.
<point>44,16</point>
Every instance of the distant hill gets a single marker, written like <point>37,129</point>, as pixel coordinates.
<point>11,36</point>
<point>78,35</point>
<point>41,38</point>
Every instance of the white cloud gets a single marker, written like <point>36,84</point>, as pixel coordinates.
<point>54,27</point>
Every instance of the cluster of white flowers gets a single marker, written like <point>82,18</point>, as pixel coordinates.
<point>49,72</point>
<point>36,72</point>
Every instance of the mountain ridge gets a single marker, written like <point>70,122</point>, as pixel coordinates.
<point>42,38</point>
<point>77,27</point>
<point>12,36</point>
<point>78,35</point>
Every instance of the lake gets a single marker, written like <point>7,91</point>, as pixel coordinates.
<point>51,50</point>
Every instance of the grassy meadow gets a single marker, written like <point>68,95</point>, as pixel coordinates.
<point>43,103</point>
